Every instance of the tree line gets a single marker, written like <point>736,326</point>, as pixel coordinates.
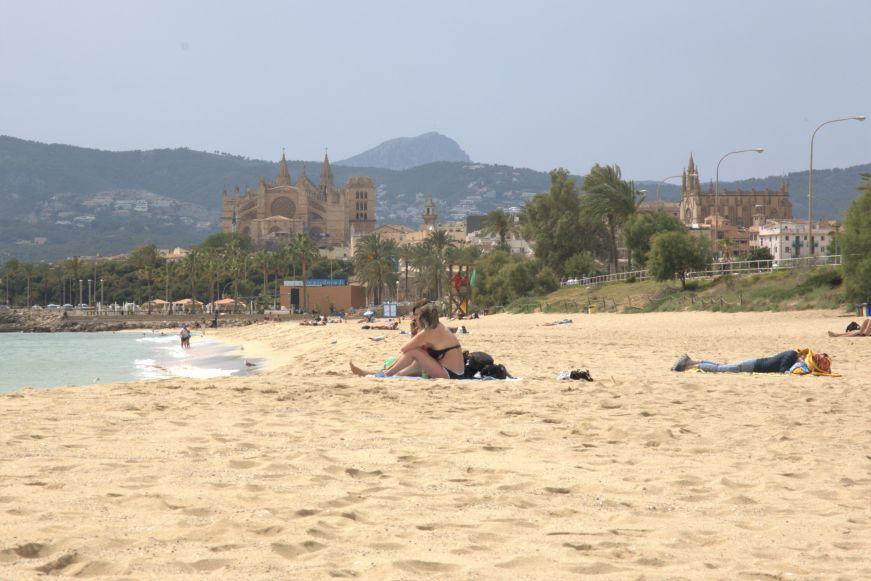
<point>574,231</point>
<point>224,265</point>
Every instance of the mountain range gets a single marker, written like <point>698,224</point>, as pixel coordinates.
<point>61,200</point>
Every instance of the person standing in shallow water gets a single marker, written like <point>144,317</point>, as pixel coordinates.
<point>185,335</point>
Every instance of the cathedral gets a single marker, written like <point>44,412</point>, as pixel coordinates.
<point>738,207</point>
<point>279,211</point>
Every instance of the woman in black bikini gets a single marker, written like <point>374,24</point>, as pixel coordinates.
<point>434,350</point>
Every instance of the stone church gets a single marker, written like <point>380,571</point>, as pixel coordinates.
<point>279,211</point>
<point>738,207</point>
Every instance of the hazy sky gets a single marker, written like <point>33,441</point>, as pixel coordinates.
<point>537,84</point>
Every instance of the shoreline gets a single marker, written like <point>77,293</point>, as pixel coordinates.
<point>145,355</point>
<point>305,471</point>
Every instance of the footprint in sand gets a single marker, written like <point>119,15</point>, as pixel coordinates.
<point>425,566</point>
<point>25,551</point>
<point>294,551</point>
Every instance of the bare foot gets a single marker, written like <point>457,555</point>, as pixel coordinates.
<point>832,334</point>
<point>357,371</point>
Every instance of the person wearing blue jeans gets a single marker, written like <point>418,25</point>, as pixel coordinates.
<point>780,363</point>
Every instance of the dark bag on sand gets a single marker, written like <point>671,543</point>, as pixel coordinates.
<point>495,370</point>
<point>476,361</point>
<point>852,326</point>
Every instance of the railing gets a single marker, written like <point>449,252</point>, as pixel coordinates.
<point>716,269</point>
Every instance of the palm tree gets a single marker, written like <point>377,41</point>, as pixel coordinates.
<point>434,248</point>
<point>27,268</point>
<point>235,263</point>
<point>10,271</point>
<point>278,267</point>
<point>611,199</point>
<point>212,263</point>
<point>191,265</point>
<point>304,249</point>
<point>726,246</point>
<point>263,261</point>
<point>71,268</point>
<point>405,253</point>
<point>374,263</point>
<point>501,224</point>
<point>146,274</point>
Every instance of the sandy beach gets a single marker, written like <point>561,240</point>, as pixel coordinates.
<point>307,472</point>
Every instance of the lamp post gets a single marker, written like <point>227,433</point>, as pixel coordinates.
<point>80,292</point>
<point>810,179</point>
<point>102,302</point>
<point>717,193</point>
<point>89,293</point>
<point>662,181</point>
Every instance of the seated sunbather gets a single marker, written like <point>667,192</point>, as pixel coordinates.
<point>434,351</point>
<point>863,330</point>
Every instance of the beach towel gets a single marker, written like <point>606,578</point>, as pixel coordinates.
<point>381,375</point>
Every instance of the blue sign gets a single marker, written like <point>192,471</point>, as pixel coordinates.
<point>318,282</point>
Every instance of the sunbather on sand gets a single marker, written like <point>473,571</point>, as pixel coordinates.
<point>863,330</point>
<point>783,362</point>
<point>434,351</point>
<point>385,327</point>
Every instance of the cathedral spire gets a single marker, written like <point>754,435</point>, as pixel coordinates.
<point>691,168</point>
<point>283,173</point>
<point>326,182</point>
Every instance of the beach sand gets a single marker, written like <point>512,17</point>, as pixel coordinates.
<point>306,472</point>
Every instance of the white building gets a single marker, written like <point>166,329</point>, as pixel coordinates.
<point>789,238</point>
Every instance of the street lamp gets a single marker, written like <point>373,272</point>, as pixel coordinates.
<point>80,293</point>
<point>810,178</point>
<point>102,302</point>
<point>89,293</point>
<point>717,192</point>
<point>662,181</point>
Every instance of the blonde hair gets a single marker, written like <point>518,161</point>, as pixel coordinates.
<point>428,315</point>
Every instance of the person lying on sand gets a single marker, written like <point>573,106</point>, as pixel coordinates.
<point>863,330</point>
<point>385,327</point>
<point>434,351</point>
<point>783,362</point>
<point>554,323</point>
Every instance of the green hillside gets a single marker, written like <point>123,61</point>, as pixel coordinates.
<point>783,290</point>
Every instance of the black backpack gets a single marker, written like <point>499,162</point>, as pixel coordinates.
<point>495,370</point>
<point>476,361</point>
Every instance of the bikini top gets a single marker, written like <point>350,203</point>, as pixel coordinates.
<point>439,354</point>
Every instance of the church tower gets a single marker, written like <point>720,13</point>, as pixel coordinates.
<point>691,189</point>
<point>429,215</point>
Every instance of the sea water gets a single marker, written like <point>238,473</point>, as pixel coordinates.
<point>56,359</point>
